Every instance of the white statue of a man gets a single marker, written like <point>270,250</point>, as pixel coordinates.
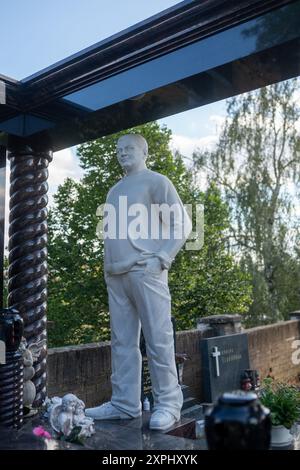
<point>136,263</point>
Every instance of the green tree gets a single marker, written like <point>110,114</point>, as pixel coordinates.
<point>201,282</point>
<point>257,163</point>
<point>209,281</point>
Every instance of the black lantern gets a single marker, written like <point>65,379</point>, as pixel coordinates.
<point>238,421</point>
<point>11,372</point>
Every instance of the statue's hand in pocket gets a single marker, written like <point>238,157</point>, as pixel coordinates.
<point>152,265</point>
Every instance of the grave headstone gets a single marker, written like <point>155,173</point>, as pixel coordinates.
<point>225,358</point>
<point>295,315</point>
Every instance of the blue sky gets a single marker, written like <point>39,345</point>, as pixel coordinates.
<point>37,33</point>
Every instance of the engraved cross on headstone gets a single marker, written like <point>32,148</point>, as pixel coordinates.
<point>216,353</point>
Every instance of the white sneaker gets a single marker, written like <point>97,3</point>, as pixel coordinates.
<point>106,411</point>
<point>162,420</point>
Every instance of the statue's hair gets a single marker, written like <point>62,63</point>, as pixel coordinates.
<point>69,396</point>
<point>140,139</point>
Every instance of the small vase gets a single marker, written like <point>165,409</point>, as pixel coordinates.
<point>280,436</point>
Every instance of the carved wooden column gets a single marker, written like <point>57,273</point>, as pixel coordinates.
<point>2,215</point>
<point>27,286</point>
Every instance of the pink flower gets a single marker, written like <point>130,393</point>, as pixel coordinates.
<point>41,432</point>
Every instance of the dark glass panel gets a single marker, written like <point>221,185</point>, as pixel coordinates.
<point>230,45</point>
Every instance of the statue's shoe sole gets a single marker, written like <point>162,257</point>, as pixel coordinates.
<point>165,427</point>
<point>98,417</point>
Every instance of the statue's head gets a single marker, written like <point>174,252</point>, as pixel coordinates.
<point>69,402</point>
<point>132,151</point>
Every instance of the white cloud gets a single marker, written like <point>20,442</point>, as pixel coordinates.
<point>188,145</point>
<point>64,165</point>
<point>218,120</point>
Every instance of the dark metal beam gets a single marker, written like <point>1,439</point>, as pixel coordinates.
<point>167,60</point>
<point>242,58</point>
<point>179,26</point>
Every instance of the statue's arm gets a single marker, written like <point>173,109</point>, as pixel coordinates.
<point>178,224</point>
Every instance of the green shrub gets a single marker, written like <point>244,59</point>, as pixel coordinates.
<point>283,400</point>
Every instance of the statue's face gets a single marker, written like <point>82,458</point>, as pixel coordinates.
<point>72,406</point>
<point>69,404</point>
<point>129,153</point>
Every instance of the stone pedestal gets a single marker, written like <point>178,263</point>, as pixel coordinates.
<point>219,325</point>
<point>295,315</point>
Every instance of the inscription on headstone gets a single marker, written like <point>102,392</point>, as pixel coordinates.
<point>225,358</point>
<point>146,379</point>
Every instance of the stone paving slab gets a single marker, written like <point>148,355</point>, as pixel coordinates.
<point>110,435</point>
<point>113,435</point>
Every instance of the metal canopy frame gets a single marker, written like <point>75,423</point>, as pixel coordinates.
<point>182,58</point>
<point>194,53</point>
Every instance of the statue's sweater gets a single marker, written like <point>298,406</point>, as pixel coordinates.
<point>143,216</point>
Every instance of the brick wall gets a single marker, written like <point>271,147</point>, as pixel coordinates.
<point>85,370</point>
<point>272,347</point>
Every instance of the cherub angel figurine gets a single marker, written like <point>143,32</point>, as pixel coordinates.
<point>64,416</point>
<point>30,355</point>
<point>49,403</point>
<point>87,424</point>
